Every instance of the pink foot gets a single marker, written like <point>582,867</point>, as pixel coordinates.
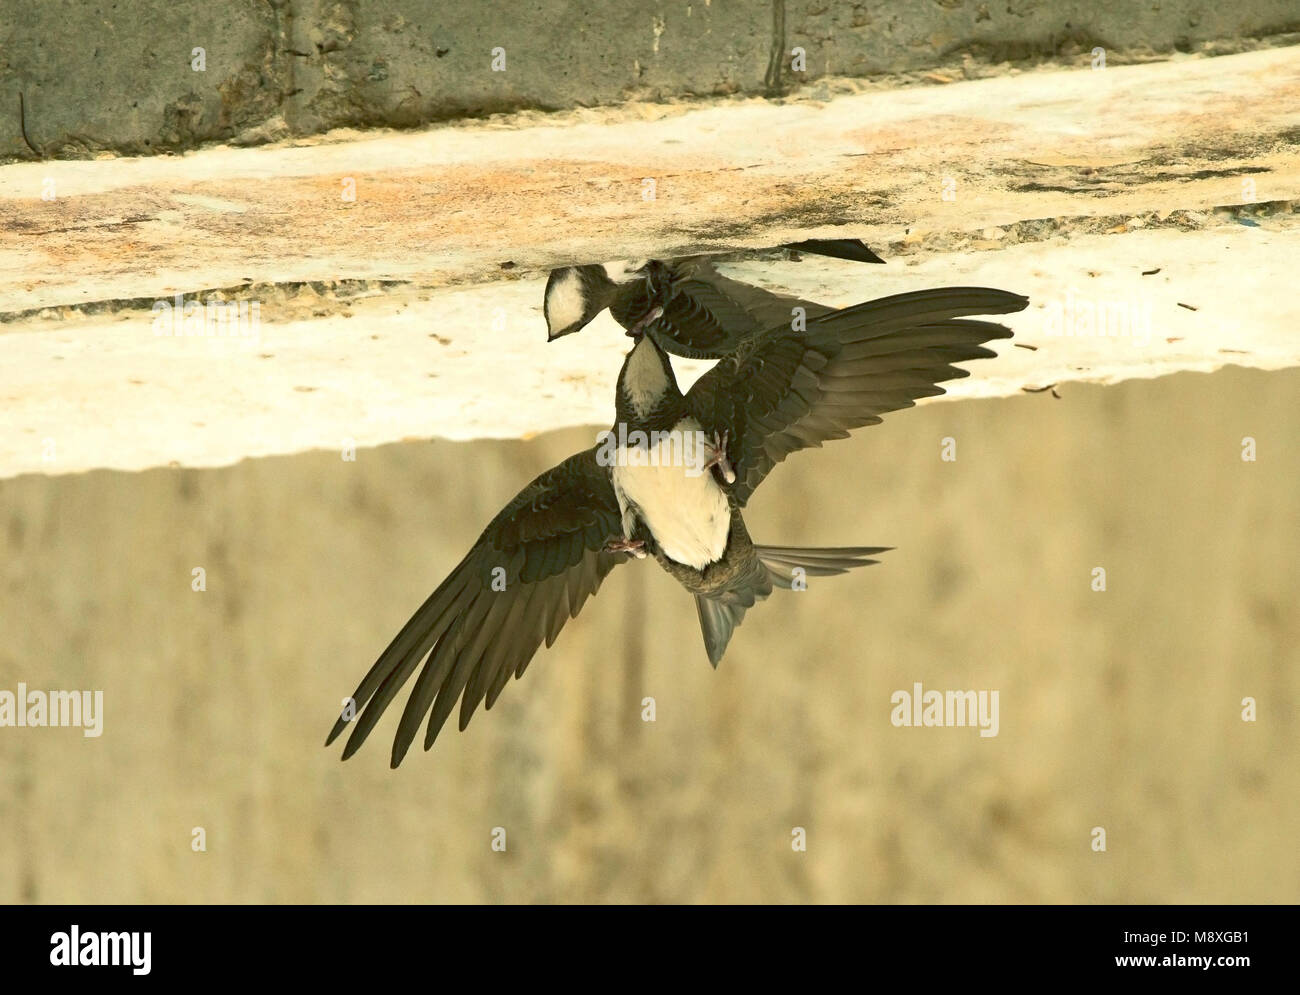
<point>719,458</point>
<point>634,546</point>
<point>650,317</point>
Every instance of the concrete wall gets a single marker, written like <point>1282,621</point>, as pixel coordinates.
<point>1118,709</point>
<point>98,76</point>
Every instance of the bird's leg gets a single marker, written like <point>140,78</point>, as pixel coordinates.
<point>646,320</point>
<point>658,288</point>
<point>634,546</point>
<point>719,458</point>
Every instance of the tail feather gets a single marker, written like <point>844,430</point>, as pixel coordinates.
<point>787,567</point>
<point>782,562</point>
<point>718,620</point>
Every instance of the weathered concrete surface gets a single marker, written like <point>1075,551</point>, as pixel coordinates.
<point>455,204</point>
<point>97,75</point>
<point>119,76</point>
<point>414,311</point>
<point>1119,709</point>
<point>327,371</point>
<point>862,36</point>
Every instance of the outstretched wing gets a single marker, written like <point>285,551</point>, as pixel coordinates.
<point>529,572</point>
<point>852,249</point>
<point>764,308</point>
<point>785,390</point>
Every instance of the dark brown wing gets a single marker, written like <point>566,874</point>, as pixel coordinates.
<point>785,390</point>
<point>705,314</point>
<point>765,308</point>
<point>698,320</point>
<point>853,249</point>
<point>529,572</point>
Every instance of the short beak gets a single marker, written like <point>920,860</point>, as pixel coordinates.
<point>552,336</point>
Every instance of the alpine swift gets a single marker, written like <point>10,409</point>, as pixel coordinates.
<point>648,490</point>
<point>702,314</point>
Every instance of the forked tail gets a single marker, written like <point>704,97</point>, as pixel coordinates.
<point>788,564</point>
<point>787,567</point>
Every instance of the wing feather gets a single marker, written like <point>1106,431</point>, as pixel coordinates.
<point>531,570</point>
<point>784,390</point>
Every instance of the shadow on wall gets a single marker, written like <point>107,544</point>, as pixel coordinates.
<point>1118,709</point>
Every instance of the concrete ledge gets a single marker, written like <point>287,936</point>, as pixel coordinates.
<point>414,311</point>
<point>456,204</point>
<point>374,366</point>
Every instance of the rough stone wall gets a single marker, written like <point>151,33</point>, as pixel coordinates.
<point>118,77</point>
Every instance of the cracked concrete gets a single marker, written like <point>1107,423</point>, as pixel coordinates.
<point>365,365</point>
<point>478,201</point>
<point>385,317</point>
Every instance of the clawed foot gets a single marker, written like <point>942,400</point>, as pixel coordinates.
<point>634,546</point>
<point>650,317</point>
<point>719,458</point>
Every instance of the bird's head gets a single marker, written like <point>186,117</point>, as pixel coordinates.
<point>576,294</point>
<point>646,382</point>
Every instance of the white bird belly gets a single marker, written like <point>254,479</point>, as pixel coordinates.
<point>684,508</point>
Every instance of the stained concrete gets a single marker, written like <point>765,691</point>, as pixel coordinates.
<point>366,365</point>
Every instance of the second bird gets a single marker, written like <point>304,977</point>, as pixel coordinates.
<point>700,313</point>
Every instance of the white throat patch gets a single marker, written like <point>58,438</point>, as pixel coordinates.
<point>564,302</point>
<point>644,378</point>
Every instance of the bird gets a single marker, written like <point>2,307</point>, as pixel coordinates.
<point>670,480</point>
<point>705,314</point>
